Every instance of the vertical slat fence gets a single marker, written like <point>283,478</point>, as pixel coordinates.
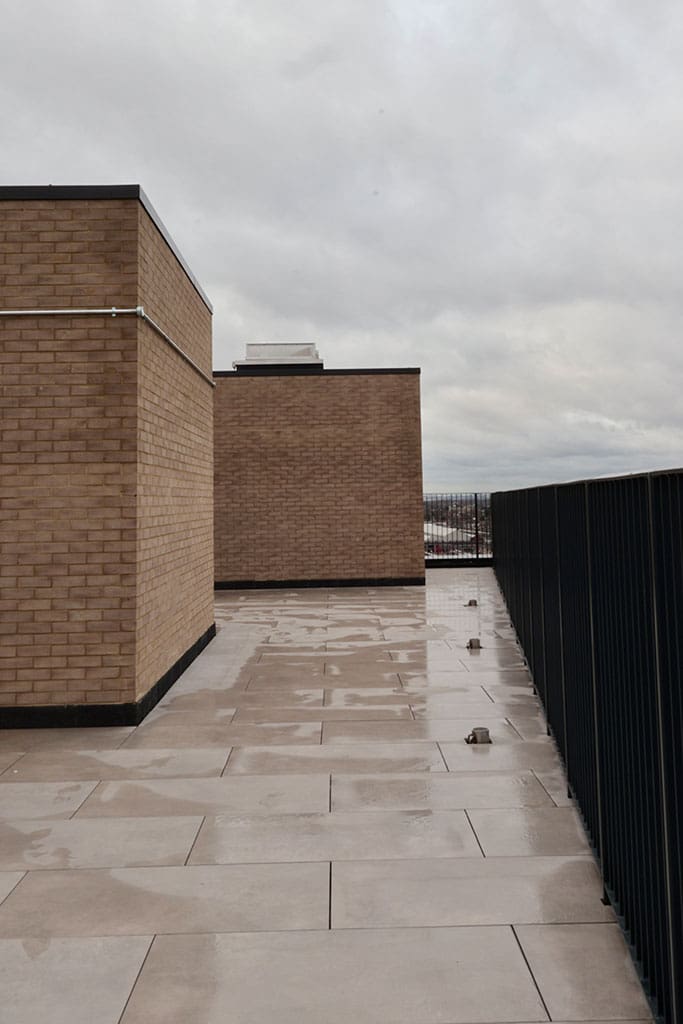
<point>592,573</point>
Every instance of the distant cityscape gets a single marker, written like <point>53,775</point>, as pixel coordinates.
<point>457,525</point>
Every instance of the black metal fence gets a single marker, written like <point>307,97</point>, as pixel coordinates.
<point>457,528</point>
<point>592,573</point>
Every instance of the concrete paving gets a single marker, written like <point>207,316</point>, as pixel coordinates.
<point>299,834</point>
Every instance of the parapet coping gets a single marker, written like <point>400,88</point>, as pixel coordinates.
<point>641,474</point>
<point>312,369</point>
<point>66,192</point>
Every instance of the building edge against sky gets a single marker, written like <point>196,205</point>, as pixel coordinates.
<point>108,463</point>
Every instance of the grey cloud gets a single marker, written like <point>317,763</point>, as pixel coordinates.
<point>490,190</point>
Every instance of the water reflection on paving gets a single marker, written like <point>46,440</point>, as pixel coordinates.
<point>298,833</point>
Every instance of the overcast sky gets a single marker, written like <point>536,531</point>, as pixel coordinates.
<point>489,189</point>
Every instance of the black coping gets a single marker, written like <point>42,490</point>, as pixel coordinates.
<point>37,192</point>
<point>80,715</point>
<point>382,581</point>
<point>297,369</point>
<point>675,470</point>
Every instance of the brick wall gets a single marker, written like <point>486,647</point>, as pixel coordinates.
<point>79,442</point>
<point>318,477</point>
<point>175,465</point>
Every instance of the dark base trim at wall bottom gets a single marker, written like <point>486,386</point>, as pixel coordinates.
<point>79,715</point>
<point>382,581</point>
<point>457,563</point>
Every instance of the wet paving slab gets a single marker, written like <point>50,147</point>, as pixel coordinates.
<point>299,832</point>
<point>397,975</point>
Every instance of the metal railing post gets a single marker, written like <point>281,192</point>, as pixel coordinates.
<point>476,526</point>
<point>661,761</point>
<point>596,736</point>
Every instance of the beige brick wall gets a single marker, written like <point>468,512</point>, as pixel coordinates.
<point>175,465</point>
<point>318,477</point>
<point>75,554</point>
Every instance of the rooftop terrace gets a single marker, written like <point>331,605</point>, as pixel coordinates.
<point>298,833</point>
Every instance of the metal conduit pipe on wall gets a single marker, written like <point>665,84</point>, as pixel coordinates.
<point>115,311</point>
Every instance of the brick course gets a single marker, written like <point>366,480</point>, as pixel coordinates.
<point>318,477</point>
<point>90,472</point>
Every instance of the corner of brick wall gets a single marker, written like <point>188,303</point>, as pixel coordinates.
<point>175,465</point>
<point>106,559</point>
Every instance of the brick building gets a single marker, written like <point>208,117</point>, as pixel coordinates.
<point>106,457</point>
<point>318,473</point>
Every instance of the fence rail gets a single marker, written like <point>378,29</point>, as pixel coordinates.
<point>592,573</point>
<point>457,527</point>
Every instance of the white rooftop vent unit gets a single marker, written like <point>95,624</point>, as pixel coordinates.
<point>279,354</point>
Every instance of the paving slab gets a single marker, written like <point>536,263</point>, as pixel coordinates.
<point>237,794</point>
<point>376,713</point>
<point>168,900</point>
<point>447,729</point>
<point>507,890</point>
<point>385,976</point>
<point>162,735</point>
<point>362,757</point>
<point>90,843</point>
<point>451,791</point>
<point>583,971</point>
<point>79,765</point>
<point>63,739</point>
<point>529,831</point>
<point>366,697</point>
<point>69,981</point>
<point>43,800</point>
<point>334,836</point>
<point>529,754</point>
